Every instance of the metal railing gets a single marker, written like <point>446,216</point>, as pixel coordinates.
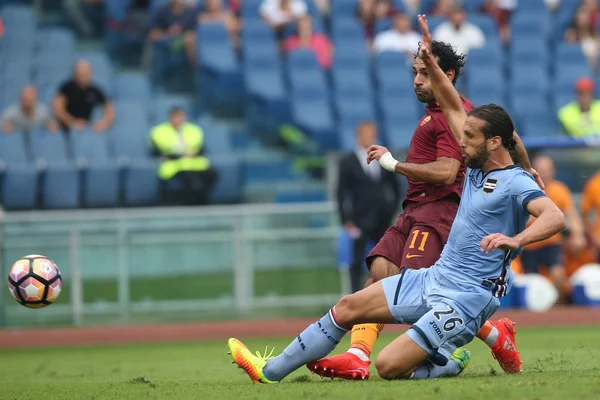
<point>151,264</point>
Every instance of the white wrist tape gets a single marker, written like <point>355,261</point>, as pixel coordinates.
<point>388,162</point>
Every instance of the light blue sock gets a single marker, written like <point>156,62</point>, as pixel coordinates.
<point>429,370</point>
<point>318,340</point>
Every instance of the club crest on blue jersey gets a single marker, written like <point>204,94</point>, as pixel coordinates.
<point>490,185</point>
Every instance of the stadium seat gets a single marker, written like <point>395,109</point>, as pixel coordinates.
<point>489,55</point>
<point>60,187</point>
<point>350,82</point>
<point>401,117</point>
<point>217,137</point>
<point>525,103</point>
<point>347,29</point>
<point>393,74</point>
<point>133,87</point>
<point>351,54</point>
<point>542,124</point>
<point>487,25</point>
<point>101,185</point>
<point>49,147</point>
<point>228,187</point>
<point>490,81</point>
<point>19,187</point>
<point>89,146</point>
<point>52,40</point>
<point>529,79</point>
<point>13,150</point>
<point>570,54</point>
<point>526,50</point>
<point>141,183</point>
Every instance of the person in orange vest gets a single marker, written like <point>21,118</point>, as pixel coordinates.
<point>546,257</point>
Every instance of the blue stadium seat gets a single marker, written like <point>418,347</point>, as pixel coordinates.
<point>570,54</point>
<point>532,6</point>
<point>352,82</point>
<point>215,41</point>
<point>490,81</point>
<point>486,56</point>
<point>263,72</point>
<point>392,74</point>
<point>529,50</point>
<point>314,117</point>
<point>382,25</point>
<point>487,25</point>
<point>543,124</point>
<point>227,188</point>
<point>101,185</point>
<point>141,183</point>
<point>129,140</point>
<point>524,25</point>
<point>255,32</point>
<point>51,40</point>
<point>351,54</point>
<point>524,103</point>
<point>49,147</point>
<point>19,187</point>
<point>133,86</point>
<point>401,117</point>
<point>249,10</point>
<point>13,150</point>
<point>342,9</point>
<point>217,137</point>
<point>60,187</point>
<point>347,30</point>
<point>18,17</point>
<point>530,79</point>
<point>89,146</point>
<point>268,168</point>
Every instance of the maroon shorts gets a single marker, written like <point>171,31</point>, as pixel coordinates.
<point>420,233</point>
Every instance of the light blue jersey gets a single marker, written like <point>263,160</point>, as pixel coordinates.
<point>448,303</point>
<point>493,202</point>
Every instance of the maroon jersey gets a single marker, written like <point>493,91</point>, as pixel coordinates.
<point>433,139</point>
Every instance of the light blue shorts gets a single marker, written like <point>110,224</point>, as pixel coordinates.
<point>443,315</point>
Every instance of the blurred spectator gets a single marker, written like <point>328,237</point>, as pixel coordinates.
<point>400,38</point>
<point>412,7</point>
<point>184,169</point>
<point>501,11</point>
<point>76,99</point>
<point>1,28</point>
<point>590,208</point>
<point>278,13</point>
<point>87,15</point>
<point>552,5</point>
<point>214,12</point>
<point>371,11</point>
<point>582,116</point>
<point>547,254</point>
<point>582,31</point>
<point>367,197</point>
<point>28,115</point>
<point>459,32</point>
<point>323,7</point>
<point>175,25</point>
<point>443,8</point>
<point>305,38</point>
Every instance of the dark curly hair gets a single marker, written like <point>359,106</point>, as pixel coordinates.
<point>447,57</point>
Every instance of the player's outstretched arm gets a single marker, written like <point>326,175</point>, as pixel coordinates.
<point>444,91</point>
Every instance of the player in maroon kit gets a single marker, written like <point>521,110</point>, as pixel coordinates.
<point>435,171</point>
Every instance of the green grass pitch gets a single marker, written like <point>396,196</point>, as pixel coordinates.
<point>559,363</point>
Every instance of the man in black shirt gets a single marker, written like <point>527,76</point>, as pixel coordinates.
<point>76,99</point>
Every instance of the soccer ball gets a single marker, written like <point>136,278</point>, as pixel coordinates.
<point>34,281</point>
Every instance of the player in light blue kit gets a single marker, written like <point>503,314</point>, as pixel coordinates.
<point>448,303</point>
